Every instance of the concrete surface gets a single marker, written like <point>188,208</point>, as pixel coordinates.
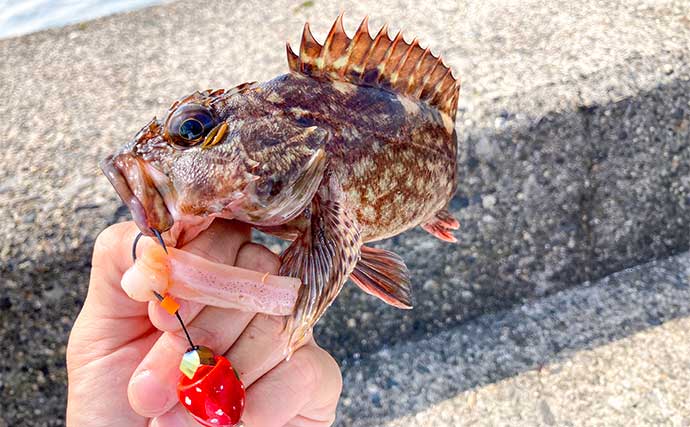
<point>574,123</point>
<point>610,353</point>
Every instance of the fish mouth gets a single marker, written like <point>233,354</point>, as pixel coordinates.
<point>138,192</point>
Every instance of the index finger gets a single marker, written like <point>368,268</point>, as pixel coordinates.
<point>111,258</point>
<point>112,251</point>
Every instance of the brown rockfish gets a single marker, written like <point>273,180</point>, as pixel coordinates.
<point>355,144</point>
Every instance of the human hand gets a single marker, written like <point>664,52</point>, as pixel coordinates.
<point>123,355</point>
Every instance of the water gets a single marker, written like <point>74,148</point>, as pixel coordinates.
<point>25,16</point>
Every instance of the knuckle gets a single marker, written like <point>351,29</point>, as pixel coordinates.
<point>330,419</point>
<point>307,368</point>
<point>269,326</point>
<point>258,258</point>
<point>200,335</point>
<point>330,367</point>
<point>335,368</point>
<point>270,261</point>
<point>109,238</point>
<point>105,239</point>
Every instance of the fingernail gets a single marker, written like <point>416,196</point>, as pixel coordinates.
<point>175,418</point>
<point>148,394</point>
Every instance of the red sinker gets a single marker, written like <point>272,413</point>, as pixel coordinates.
<point>215,396</point>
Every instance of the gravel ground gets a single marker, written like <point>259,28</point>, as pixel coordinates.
<point>610,353</point>
<point>574,164</point>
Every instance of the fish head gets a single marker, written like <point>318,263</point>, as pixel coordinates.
<point>179,169</point>
<point>217,154</point>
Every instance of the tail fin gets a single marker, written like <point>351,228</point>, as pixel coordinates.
<point>395,65</point>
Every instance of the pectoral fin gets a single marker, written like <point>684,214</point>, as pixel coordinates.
<point>323,256</point>
<point>383,274</point>
<point>442,225</point>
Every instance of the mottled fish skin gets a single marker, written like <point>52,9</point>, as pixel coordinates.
<point>356,144</point>
<point>394,157</point>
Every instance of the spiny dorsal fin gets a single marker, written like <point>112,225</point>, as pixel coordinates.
<point>393,64</point>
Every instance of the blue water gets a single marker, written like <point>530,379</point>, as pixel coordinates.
<point>25,16</point>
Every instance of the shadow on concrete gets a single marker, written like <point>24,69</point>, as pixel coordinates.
<point>543,205</point>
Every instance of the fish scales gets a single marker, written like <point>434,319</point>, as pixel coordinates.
<point>355,144</point>
<point>376,138</point>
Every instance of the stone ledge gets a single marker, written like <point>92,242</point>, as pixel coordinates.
<point>615,350</point>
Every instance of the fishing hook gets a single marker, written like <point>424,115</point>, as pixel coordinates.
<point>158,296</point>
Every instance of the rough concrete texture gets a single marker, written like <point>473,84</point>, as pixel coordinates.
<point>610,353</point>
<point>574,123</point>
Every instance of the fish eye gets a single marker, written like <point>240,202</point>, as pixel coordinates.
<point>191,129</point>
<point>189,124</point>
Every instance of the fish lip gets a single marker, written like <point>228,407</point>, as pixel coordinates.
<point>148,208</point>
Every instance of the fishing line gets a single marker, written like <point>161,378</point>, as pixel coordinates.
<point>158,296</point>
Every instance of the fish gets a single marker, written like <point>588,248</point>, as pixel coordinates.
<point>356,143</point>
